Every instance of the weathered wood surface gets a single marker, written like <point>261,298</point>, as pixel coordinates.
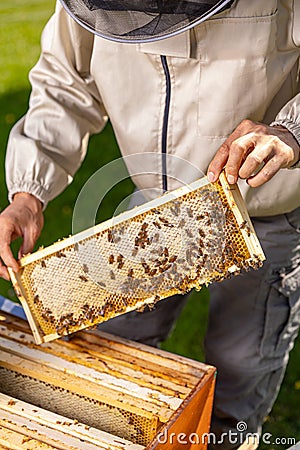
<point>26,426</point>
<point>173,392</point>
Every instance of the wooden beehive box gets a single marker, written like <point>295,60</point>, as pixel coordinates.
<point>97,391</point>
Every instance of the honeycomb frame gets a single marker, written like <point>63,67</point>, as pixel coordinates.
<point>187,238</point>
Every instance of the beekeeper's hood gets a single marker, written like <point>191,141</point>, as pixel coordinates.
<point>141,20</point>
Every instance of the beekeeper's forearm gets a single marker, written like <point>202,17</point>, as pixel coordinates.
<point>48,144</point>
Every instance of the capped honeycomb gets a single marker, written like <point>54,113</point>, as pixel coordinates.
<point>187,238</point>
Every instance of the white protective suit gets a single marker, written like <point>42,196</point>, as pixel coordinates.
<point>242,63</point>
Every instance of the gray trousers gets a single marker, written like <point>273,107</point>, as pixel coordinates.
<point>253,322</point>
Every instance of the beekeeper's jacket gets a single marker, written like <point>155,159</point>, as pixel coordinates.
<point>242,63</point>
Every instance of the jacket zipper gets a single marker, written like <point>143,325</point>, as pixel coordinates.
<point>164,137</point>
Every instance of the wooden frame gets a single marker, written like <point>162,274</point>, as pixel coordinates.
<point>176,393</point>
<point>236,205</point>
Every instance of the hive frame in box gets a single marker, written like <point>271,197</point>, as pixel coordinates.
<point>136,381</point>
<point>47,325</point>
<point>23,423</point>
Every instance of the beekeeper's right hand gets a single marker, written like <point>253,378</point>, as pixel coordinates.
<point>22,218</point>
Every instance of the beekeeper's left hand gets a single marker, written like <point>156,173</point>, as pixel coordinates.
<point>255,152</point>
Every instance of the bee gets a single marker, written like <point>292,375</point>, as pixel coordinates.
<point>166,252</point>
<point>102,311</point>
<point>173,258</point>
<point>163,220</point>
<point>120,265</point>
<point>174,269</point>
<point>36,299</point>
<point>256,265</point>
<point>152,272</point>
<point>83,278</point>
<point>167,267</point>
<point>175,209</point>
<point>100,283</point>
<point>45,316</point>
<point>43,264</point>
<point>181,261</point>
<point>201,233</point>
<point>200,217</point>
<point>155,238</point>
<point>60,330</point>
<point>181,223</point>
<point>61,255</point>
<point>156,298</point>
<point>121,230</point>
<point>144,226</point>
<point>111,259</point>
<point>230,217</point>
<point>120,258</point>
<point>200,242</point>
<point>155,211</point>
<point>85,268</point>
<point>189,233</point>
<point>110,236</point>
<point>112,275</point>
<point>245,226</point>
<point>157,225</point>
<point>130,273</point>
<point>125,302</point>
<point>189,212</point>
<point>134,252</point>
<point>164,261</point>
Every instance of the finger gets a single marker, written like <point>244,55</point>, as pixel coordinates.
<point>260,154</point>
<point>220,159</point>
<point>8,258</point>
<point>238,150</point>
<point>218,163</point>
<point>4,272</point>
<point>8,233</point>
<point>29,240</point>
<point>266,173</point>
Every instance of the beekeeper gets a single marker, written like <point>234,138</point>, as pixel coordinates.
<point>215,83</point>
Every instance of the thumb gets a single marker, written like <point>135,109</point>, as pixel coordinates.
<point>28,243</point>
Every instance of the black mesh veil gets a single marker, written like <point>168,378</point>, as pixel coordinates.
<point>141,20</point>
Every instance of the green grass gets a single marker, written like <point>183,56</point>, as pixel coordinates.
<point>21,23</point>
